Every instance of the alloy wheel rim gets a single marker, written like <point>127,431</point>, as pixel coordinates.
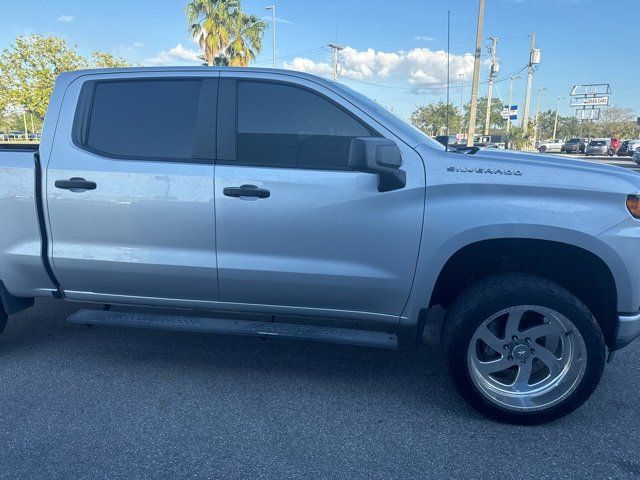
<point>527,358</point>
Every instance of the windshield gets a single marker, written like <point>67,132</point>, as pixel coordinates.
<point>573,140</point>
<point>597,143</point>
<point>416,135</point>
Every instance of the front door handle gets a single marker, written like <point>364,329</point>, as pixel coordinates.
<point>76,184</point>
<point>246,191</point>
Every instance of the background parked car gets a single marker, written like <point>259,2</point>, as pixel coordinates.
<point>628,147</point>
<point>550,146</point>
<point>447,139</point>
<point>574,145</point>
<point>636,156</point>
<point>599,147</point>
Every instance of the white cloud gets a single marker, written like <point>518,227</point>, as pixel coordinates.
<point>309,66</point>
<point>419,67</point>
<point>177,54</point>
<point>138,44</point>
<point>424,38</point>
<point>278,19</point>
<point>66,18</point>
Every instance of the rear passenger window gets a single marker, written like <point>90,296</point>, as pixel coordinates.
<point>140,119</point>
<point>287,126</point>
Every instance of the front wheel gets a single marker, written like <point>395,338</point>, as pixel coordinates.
<point>542,149</point>
<point>522,349</point>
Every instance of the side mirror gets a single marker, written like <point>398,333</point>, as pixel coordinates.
<point>381,157</point>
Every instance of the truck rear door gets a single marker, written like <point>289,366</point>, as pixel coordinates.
<point>129,189</point>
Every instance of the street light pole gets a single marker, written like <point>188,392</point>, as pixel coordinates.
<point>535,131</point>
<point>273,30</point>
<point>555,121</point>
<point>511,79</point>
<point>462,99</point>
<point>473,110</point>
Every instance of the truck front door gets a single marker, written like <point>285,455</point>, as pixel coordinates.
<point>296,228</point>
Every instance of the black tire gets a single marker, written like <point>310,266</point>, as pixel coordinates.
<point>542,149</point>
<point>496,293</point>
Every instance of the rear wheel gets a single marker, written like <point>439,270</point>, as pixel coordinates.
<point>542,149</point>
<point>521,349</point>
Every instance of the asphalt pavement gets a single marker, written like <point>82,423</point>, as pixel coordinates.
<point>625,162</point>
<point>105,402</point>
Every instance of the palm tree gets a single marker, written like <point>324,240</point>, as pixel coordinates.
<point>225,33</point>
<point>247,39</point>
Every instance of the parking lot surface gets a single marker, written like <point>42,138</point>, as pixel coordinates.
<point>102,402</point>
<point>625,162</point>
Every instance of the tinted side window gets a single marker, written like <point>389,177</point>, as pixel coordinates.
<point>155,119</point>
<point>281,125</point>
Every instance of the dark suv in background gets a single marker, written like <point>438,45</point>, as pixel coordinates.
<point>628,148</point>
<point>574,145</point>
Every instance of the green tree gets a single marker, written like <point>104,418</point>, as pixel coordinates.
<point>106,60</point>
<point>247,39</point>
<point>618,122</point>
<point>495,120</point>
<point>28,69</point>
<point>520,140</point>
<point>226,35</point>
<point>432,118</point>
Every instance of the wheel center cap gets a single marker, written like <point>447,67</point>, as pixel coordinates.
<point>521,353</point>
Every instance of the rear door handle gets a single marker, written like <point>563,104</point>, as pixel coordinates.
<point>76,184</point>
<point>246,191</point>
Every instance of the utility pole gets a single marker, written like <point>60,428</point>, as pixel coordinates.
<point>555,121</point>
<point>511,79</point>
<point>273,30</point>
<point>473,110</point>
<point>527,95</point>
<point>336,48</point>
<point>492,75</point>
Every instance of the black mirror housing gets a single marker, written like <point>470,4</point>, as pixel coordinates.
<point>381,157</point>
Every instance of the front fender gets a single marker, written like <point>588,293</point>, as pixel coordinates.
<point>435,255</point>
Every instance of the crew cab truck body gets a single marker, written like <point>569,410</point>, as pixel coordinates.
<point>274,192</point>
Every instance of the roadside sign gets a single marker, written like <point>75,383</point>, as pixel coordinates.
<point>588,114</point>
<point>590,101</point>
<point>591,89</point>
<point>513,112</point>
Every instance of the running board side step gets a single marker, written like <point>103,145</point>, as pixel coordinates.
<point>363,338</point>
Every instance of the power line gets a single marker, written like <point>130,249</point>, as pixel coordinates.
<point>436,86</point>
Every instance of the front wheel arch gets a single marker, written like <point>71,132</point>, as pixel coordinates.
<point>591,281</point>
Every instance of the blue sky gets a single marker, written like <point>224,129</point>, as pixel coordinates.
<point>395,48</point>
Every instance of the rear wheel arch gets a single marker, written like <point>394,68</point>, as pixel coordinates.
<point>10,303</point>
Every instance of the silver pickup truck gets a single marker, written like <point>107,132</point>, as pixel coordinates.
<point>272,192</point>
